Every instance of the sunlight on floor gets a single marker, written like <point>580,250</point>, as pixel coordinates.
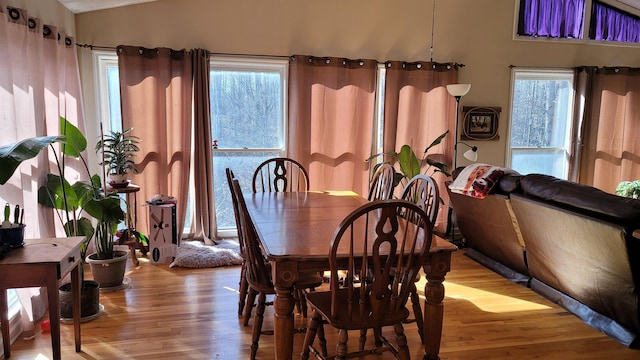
<point>488,301</point>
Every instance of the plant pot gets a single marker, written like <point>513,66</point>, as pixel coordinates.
<point>89,300</point>
<point>110,272</point>
<point>118,181</point>
<point>12,236</point>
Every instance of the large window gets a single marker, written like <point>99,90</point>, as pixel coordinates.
<point>541,113</point>
<point>248,103</point>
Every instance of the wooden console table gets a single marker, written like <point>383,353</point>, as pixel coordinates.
<point>43,262</point>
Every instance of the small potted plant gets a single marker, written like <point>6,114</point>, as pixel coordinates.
<point>629,189</point>
<point>118,150</point>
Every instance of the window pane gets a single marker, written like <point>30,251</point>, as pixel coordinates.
<point>540,113</point>
<point>113,85</point>
<point>550,162</point>
<point>243,165</point>
<point>243,104</point>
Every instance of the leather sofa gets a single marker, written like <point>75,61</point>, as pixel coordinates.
<point>572,243</point>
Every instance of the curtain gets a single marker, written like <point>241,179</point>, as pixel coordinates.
<point>611,24</point>
<point>331,112</point>
<point>39,82</point>
<point>204,213</point>
<point>156,101</point>
<point>611,152</point>
<point>551,18</point>
<point>418,109</point>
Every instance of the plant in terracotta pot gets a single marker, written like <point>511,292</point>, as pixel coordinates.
<point>118,150</point>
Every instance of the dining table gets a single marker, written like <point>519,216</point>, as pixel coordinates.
<point>295,230</point>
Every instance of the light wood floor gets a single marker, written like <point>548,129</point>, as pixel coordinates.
<point>192,314</point>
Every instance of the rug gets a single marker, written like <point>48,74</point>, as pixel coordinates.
<point>194,254</point>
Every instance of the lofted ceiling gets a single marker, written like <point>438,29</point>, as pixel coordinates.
<point>80,6</point>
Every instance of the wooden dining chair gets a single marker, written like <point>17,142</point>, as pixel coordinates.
<point>378,232</point>
<point>421,190</point>
<point>280,174</point>
<point>243,286</point>
<point>381,185</point>
<point>258,269</point>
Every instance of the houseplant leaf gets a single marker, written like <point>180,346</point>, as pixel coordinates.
<point>76,142</point>
<point>12,155</point>
<point>409,163</point>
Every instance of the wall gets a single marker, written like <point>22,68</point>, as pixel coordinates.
<point>478,34</point>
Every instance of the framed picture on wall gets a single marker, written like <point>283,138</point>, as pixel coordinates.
<point>480,123</point>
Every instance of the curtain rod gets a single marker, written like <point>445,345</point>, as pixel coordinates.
<point>98,47</point>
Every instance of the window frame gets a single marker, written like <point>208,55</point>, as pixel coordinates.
<point>544,74</point>
<point>257,64</point>
<point>586,25</point>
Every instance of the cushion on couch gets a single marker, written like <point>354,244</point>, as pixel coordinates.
<point>625,211</point>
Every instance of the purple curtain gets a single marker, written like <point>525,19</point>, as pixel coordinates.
<point>551,18</point>
<point>611,24</point>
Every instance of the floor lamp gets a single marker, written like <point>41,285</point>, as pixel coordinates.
<point>458,91</point>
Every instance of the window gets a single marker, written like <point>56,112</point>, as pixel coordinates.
<point>108,95</point>
<point>540,126</point>
<point>248,103</point>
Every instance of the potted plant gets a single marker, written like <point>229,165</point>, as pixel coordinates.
<point>629,189</point>
<point>118,150</point>
<point>409,164</point>
<point>71,202</point>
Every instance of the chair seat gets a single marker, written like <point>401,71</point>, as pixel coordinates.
<point>359,317</point>
<point>305,281</point>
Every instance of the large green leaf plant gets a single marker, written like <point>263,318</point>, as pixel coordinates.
<point>71,202</point>
<point>409,164</point>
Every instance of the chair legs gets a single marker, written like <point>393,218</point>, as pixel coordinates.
<point>417,311</point>
<point>243,288</point>
<point>315,327</point>
<point>257,324</point>
<point>251,299</point>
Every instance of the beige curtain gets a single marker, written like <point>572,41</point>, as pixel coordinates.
<point>331,112</point>
<point>40,81</point>
<point>418,109</point>
<point>204,217</point>
<point>611,151</point>
<point>156,95</point>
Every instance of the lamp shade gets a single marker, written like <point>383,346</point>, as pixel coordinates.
<point>471,154</point>
<point>458,89</point>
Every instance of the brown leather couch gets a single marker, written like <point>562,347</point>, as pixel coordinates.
<point>576,245</point>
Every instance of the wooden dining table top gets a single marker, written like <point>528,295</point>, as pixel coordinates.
<point>300,225</point>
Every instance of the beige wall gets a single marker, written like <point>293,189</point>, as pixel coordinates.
<point>465,32</point>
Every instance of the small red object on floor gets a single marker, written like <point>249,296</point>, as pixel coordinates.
<point>45,325</point>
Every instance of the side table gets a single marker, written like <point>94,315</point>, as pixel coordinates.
<point>43,262</point>
<point>131,222</point>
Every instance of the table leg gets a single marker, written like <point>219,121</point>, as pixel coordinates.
<point>54,314</point>
<point>283,322</point>
<point>4,319</point>
<point>434,308</point>
<point>76,289</point>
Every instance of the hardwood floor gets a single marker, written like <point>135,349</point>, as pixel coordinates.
<point>192,314</point>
